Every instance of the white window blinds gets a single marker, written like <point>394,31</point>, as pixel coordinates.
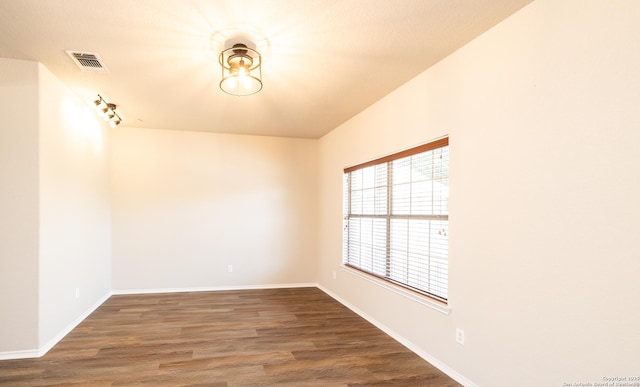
<point>396,218</point>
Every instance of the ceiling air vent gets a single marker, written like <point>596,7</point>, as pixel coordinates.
<point>88,61</point>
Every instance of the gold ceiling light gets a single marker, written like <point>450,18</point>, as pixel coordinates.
<point>241,70</point>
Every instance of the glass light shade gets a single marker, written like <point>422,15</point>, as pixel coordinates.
<point>241,70</point>
<point>115,122</point>
<point>103,113</point>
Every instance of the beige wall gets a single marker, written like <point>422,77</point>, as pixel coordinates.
<point>542,113</point>
<point>54,210</point>
<point>187,204</point>
<point>18,205</point>
<point>75,214</point>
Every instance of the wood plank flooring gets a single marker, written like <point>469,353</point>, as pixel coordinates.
<point>273,337</point>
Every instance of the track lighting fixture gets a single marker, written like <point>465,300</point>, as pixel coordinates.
<point>107,111</point>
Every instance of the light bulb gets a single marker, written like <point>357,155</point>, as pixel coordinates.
<point>103,113</point>
<point>246,82</point>
<point>231,83</point>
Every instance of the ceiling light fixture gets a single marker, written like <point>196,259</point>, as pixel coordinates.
<point>107,111</point>
<point>241,70</point>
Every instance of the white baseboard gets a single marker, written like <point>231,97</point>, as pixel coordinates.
<point>412,347</point>
<point>26,354</point>
<point>55,340</point>
<point>213,288</point>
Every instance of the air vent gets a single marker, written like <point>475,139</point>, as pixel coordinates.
<point>87,61</point>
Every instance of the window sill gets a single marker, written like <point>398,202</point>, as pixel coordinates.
<point>423,300</point>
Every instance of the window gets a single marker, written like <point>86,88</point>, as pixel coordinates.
<point>396,218</point>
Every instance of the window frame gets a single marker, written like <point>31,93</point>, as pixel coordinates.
<point>348,215</point>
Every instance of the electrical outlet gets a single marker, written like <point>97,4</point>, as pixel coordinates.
<point>77,292</point>
<point>229,268</point>
<point>459,336</point>
<point>334,274</point>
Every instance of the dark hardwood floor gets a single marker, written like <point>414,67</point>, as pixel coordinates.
<point>275,337</point>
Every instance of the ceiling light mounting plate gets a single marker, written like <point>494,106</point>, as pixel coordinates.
<point>249,36</point>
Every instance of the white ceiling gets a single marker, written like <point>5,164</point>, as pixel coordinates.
<point>328,59</point>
